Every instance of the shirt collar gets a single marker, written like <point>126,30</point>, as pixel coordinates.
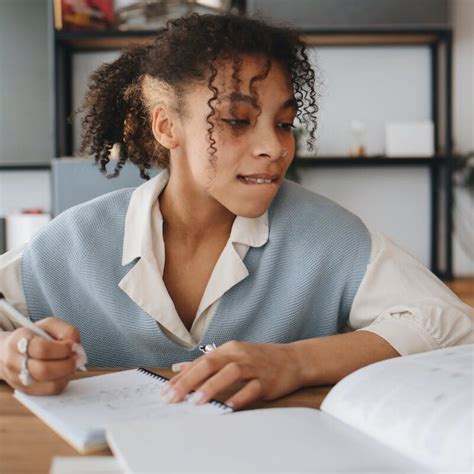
<point>138,224</point>
<point>250,231</point>
<point>138,221</point>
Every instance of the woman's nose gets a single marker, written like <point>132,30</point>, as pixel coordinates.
<point>267,144</point>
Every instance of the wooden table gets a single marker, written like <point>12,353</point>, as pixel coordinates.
<point>27,445</point>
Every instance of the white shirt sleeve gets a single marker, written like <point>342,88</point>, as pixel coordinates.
<point>11,286</point>
<point>403,302</point>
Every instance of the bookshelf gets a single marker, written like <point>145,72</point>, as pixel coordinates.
<point>439,41</point>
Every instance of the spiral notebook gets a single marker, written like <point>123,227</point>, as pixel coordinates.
<point>82,412</point>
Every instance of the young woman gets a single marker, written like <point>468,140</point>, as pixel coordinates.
<point>218,248</point>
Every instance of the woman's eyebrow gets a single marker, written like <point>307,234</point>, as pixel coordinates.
<point>248,99</point>
<point>238,97</point>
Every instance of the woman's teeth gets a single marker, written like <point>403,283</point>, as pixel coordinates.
<point>256,180</point>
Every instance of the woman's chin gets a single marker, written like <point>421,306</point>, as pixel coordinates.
<point>251,211</point>
<point>251,203</point>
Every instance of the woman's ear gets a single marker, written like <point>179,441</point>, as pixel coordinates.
<point>164,127</point>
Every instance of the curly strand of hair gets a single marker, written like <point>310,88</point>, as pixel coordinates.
<point>137,134</point>
<point>298,94</point>
<point>303,78</point>
<point>236,81</point>
<point>236,66</point>
<point>105,158</point>
<point>259,77</point>
<point>107,107</point>
<point>120,163</point>
<point>101,157</point>
<point>215,94</point>
<point>310,112</point>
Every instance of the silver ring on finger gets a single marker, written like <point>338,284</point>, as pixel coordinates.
<point>22,345</point>
<point>24,376</point>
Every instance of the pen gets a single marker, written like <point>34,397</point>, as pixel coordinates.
<point>205,349</point>
<point>26,323</point>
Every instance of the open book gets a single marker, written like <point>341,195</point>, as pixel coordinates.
<point>405,414</point>
<point>81,413</point>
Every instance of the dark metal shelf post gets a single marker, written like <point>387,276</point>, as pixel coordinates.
<point>62,99</point>
<point>434,170</point>
<point>449,147</point>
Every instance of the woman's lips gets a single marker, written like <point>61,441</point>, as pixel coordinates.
<point>259,179</point>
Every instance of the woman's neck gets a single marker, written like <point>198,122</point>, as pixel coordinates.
<point>192,215</point>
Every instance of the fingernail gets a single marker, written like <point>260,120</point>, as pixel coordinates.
<point>81,360</point>
<point>230,404</point>
<point>170,395</point>
<point>176,367</point>
<point>196,397</point>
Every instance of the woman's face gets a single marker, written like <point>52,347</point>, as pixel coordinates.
<point>254,148</point>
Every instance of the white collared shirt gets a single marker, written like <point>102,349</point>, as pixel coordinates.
<point>411,317</point>
<point>143,237</point>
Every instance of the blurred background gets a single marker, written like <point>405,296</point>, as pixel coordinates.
<point>395,134</point>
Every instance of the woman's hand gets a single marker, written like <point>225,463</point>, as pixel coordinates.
<point>270,371</point>
<point>267,371</point>
<point>51,364</point>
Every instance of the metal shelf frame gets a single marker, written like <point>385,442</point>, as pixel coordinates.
<point>4,167</point>
<point>65,44</point>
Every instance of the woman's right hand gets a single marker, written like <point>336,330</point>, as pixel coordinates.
<point>51,364</point>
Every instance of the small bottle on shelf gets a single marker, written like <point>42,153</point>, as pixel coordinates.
<point>358,147</point>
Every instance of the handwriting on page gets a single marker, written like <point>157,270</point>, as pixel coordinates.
<point>121,395</point>
<point>88,406</point>
<point>112,398</point>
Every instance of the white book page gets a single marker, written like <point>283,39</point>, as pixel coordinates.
<point>85,465</point>
<point>420,405</point>
<point>81,413</point>
<point>271,440</point>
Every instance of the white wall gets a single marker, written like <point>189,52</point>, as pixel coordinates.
<point>463,121</point>
<point>395,202</point>
<point>25,82</point>
<point>24,189</point>
<point>25,105</point>
<point>374,85</point>
<point>463,74</point>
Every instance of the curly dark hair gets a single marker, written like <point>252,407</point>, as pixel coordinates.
<point>117,105</point>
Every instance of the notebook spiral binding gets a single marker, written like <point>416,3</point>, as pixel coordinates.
<point>151,374</point>
<point>164,379</point>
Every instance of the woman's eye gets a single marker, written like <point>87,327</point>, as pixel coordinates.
<point>286,126</point>
<point>236,122</point>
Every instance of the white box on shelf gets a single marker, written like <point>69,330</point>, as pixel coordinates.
<point>409,139</point>
<point>22,227</point>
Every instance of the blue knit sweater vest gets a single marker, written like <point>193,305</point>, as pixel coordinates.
<point>301,283</point>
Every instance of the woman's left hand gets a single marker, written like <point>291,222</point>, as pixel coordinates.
<point>267,371</point>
